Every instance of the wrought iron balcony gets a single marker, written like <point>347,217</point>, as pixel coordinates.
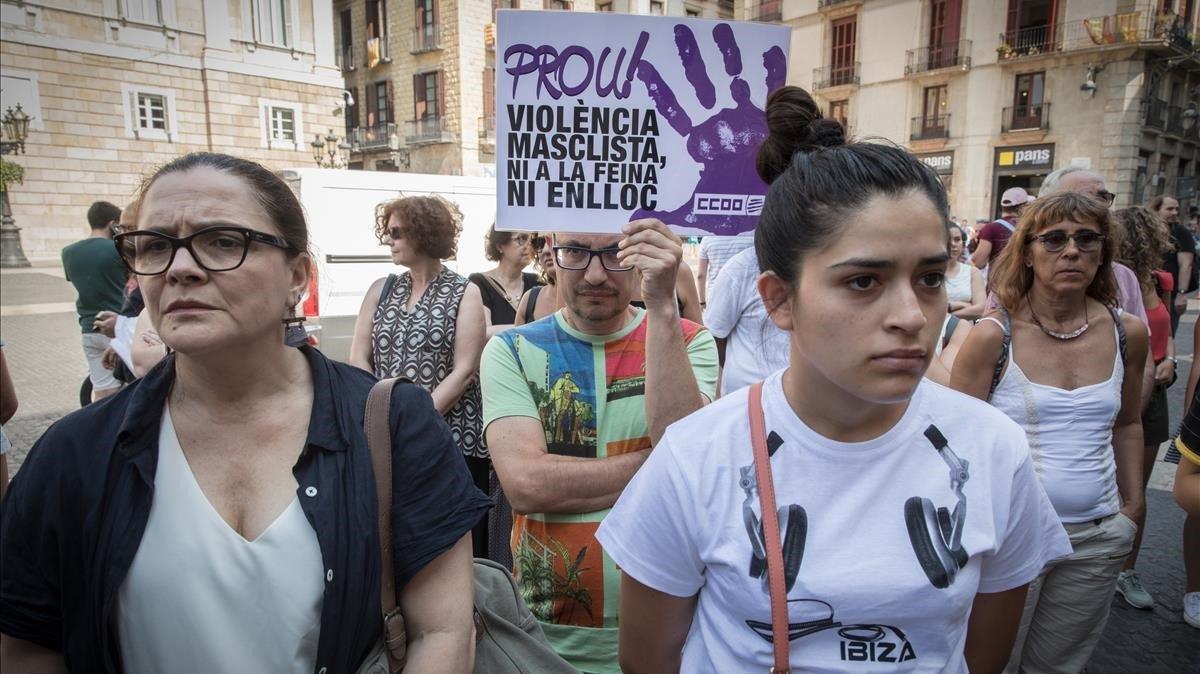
<point>1029,42</point>
<point>1026,118</point>
<point>371,137</point>
<point>428,38</point>
<point>939,56</point>
<point>836,75</point>
<point>822,4</point>
<point>427,130</point>
<point>930,127</point>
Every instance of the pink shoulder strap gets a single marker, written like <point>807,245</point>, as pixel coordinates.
<point>770,524</point>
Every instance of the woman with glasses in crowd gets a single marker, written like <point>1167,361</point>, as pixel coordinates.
<point>1058,358</point>
<point>219,514</point>
<point>428,324</point>
<point>503,287</point>
<point>883,563</point>
<point>541,300</point>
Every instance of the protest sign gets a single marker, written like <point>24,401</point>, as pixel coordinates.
<point>604,118</point>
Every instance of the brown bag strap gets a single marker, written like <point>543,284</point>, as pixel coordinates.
<point>377,425</point>
<point>770,524</point>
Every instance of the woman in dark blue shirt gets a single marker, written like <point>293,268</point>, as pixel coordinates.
<point>94,542</point>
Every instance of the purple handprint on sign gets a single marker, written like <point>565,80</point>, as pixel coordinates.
<point>726,143</point>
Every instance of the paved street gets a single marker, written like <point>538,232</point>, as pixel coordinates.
<point>41,336</point>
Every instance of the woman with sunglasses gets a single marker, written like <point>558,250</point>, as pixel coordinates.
<point>908,537</point>
<point>1058,358</point>
<point>503,286</point>
<point>428,324</point>
<point>219,514</point>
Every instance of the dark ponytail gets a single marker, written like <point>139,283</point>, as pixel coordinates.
<point>818,180</point>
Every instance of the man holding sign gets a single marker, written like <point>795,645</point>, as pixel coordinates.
<point>573,405</point>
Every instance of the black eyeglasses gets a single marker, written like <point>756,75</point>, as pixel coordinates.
<point>1086,240</point>
<point>577,258</point>
<point>223,248</point>
<point>1106,196</point>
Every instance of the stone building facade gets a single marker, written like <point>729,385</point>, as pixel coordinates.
<point>118,87</point>
<point>998,94</point>
<point>421,73</point>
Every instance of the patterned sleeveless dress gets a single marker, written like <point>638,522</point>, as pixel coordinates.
<point>419,344</point>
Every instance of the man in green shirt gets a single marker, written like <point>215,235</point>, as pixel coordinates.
<point>94,268</point>
<point>573,404</point>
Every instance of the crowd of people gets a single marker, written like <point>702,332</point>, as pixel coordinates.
<point>710,471</point>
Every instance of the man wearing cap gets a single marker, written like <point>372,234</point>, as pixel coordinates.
<point>994,235</point>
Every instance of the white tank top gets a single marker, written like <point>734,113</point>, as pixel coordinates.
<point>958,288</point>
<point>1070,437</point>
<point>200,598</point>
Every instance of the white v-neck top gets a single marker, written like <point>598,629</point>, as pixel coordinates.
<point>200,598</point>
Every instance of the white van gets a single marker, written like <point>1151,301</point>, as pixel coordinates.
<point>340,206</point>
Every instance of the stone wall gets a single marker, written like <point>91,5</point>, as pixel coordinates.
<point>83,152</point>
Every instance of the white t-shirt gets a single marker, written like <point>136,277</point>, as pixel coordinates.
<point>200,598</point>
<point>861,600</point>
<point>718,250</point>
<point>756,347</point>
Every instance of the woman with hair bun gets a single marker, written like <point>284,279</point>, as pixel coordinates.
<point>908,538</point>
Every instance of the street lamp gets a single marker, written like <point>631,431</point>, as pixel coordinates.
<point>15,126</point>
<point>328,152</point>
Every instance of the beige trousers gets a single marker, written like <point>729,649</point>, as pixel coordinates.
<point>1067,605</point>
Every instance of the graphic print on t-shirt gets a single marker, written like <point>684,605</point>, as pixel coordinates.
<point>589,394</point>
<point>934,532</point>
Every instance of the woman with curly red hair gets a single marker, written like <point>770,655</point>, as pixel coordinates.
<point>428,323</point>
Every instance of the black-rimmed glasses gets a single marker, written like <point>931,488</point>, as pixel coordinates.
<point>1086,240</point>
<point>223,248</point>
<point>577,258</point>
<point>1106,196</point>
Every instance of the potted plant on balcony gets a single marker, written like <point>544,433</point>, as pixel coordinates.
<point>1005,50</point>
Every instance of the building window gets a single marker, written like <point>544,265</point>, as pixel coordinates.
<point>379,104</point>
<point>426,95</point>
<point>345,48</point>
<point>272,21</point>
<point>142,11</point>
<point>1029,94</point>
<point>656,7</point>
<point>425,34</point>
<point>149,112</point>
<point>557,4</point>
<point>1030,26</point>
<point>19,87</point>
<point>281,124</point>
<point>376,19</point>
<point>944,19</point>
<point>840,111</point>
<point>841,57</point>
<point>934,112</point>
<point>693,12</point>
<point>604,7</point>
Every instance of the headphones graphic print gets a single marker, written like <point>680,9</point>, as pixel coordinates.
<point>934,532</point>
